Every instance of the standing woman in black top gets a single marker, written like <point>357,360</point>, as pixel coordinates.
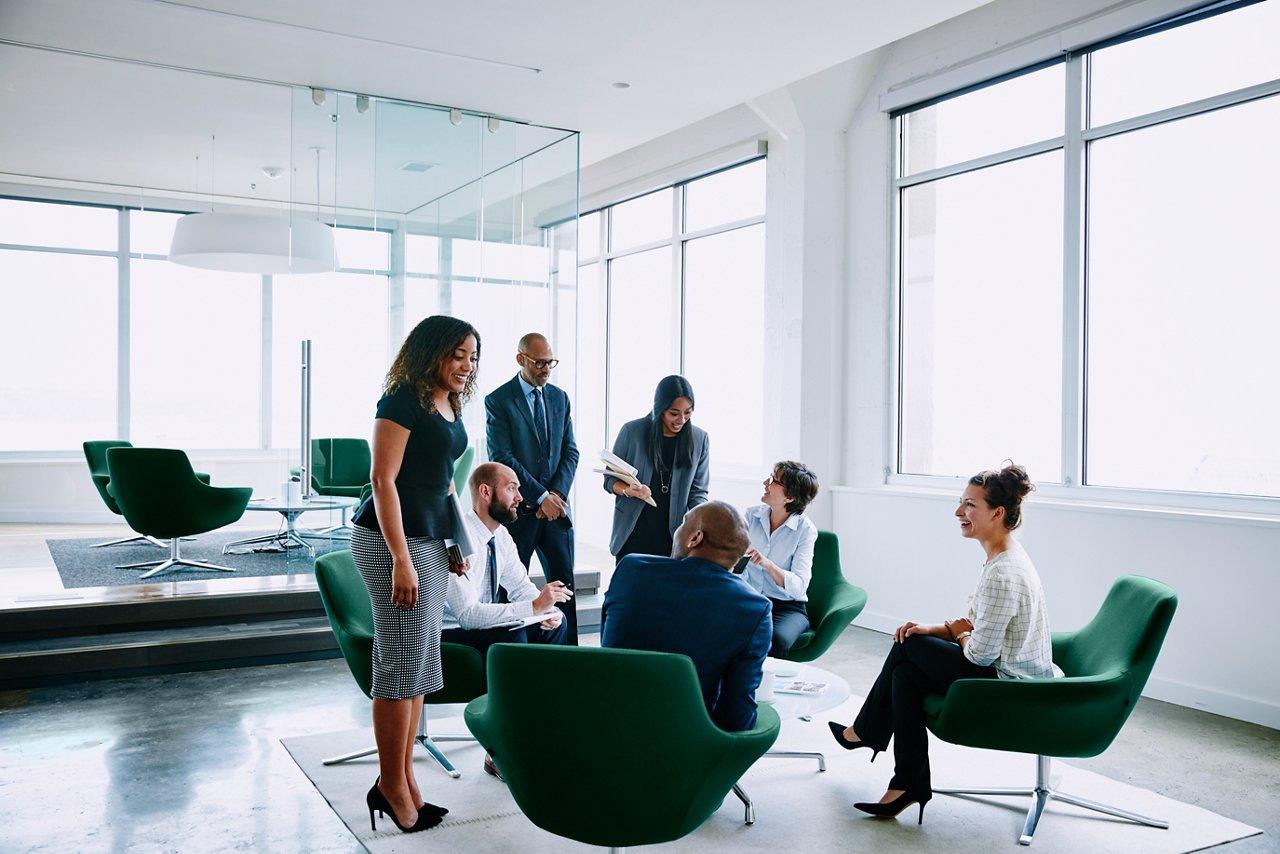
<point>671,456</point>
<point>397,541</point>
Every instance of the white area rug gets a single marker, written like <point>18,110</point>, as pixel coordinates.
<point>797,808</point>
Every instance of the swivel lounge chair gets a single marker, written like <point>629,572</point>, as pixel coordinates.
<point>1106,665</point>
<point>95,453</point>
<point>160,496</point>
<point>346,601</point>
<point>645,765</point>
<point>339,467</point>
<point>833,604</point>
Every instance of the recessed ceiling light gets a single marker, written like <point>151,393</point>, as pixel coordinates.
<point>416,166</point>
<point>621,85</point>
<point>272,172</point>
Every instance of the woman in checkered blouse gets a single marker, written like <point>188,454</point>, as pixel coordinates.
<point>1005,634</point>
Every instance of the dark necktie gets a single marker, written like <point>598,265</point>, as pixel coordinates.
<point>540,420</point>
<point>493,570</point>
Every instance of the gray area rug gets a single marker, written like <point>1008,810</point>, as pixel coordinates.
<point>79,565</point>
<point>797,808</point>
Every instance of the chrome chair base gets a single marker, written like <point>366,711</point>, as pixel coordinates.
<point>801,754</point>
<point>422,738</point>
<point>137,538</point>
<point>1042,794</point>
<point>749,816</point>
<point>174,561</point>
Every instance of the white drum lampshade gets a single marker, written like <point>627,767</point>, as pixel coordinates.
<point>253,243</point>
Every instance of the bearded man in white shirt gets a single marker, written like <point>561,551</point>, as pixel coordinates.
<point>494,595</point>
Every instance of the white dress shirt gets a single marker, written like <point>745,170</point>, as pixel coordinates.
<point>533,413</point>
<point>1010,620</point>
<point>467,603</point>
<point>790,547</point>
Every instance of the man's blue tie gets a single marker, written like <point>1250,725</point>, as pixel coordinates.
<point>493,570</point>
<point>540,420</point>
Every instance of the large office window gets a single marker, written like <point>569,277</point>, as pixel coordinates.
<point>673,282</point>
<point>1086,265</point>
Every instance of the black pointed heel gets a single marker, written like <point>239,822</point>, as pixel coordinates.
<point>837,730</point>
<point>898,804</point>
<point>427,807</point>
<point>378,801</point>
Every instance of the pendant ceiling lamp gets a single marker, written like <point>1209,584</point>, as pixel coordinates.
<point>255,242</point>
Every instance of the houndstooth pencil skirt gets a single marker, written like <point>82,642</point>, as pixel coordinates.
<point>406,643</point>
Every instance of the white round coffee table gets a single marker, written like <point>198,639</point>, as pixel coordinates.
<point>290,510</point>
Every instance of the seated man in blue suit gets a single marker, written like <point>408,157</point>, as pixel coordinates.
<point>692,603</point>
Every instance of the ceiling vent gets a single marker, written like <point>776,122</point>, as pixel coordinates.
<point>416,166</point>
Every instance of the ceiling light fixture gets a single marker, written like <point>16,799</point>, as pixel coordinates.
<point>362,103</point>
<point>494,124</point>
<point>455,117</point>
<point>317,96</point>
<point>621,85</point>
<point>254,243</point>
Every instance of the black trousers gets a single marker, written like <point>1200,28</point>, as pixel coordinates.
<point>894,708</point>
<point>482,639</point>
<point>553,543</point>
<point>790,621</point>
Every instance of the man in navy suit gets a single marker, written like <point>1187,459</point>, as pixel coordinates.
<point>692,603</point>
<point>529,429</point>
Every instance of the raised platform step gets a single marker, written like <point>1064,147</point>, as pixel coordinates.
<point>118,639</point>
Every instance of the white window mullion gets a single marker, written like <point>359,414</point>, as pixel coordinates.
<point>1073,275</point>
<point>123,268</point>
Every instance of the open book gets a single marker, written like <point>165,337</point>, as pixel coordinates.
<point>616,466</point>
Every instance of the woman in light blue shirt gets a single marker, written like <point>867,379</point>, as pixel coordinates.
<point>780,559</point>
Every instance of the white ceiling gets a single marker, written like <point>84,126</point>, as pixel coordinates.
<point>551,62</point>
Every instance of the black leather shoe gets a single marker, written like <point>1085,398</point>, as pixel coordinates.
<point>491,769</point>
<point>837,730</point>
<point>898,804</point>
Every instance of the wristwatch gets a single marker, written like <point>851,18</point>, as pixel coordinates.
<point>962,636</point>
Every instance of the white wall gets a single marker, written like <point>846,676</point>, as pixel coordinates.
<point>902,545</point>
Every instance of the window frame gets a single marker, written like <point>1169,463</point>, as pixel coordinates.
<point>1074,143</point>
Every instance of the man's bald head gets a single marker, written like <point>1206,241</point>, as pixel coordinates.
<point>714,531</point>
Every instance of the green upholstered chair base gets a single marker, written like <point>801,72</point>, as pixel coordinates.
<point>95,453</point>
<point>346,601</point>
<point>646,764</point>
<point>160,496</point>
<point>1105,666</point>
<point>833,603</point>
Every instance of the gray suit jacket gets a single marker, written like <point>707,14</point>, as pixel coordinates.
<point>688,483</point>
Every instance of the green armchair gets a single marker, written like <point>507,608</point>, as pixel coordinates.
<point>95,453</point>
<point>160,496</point>
<point>339,467</point>
<point>1106,665</point>
<point>833,603</point>
<point>346,601</point>
<point>645,765</point>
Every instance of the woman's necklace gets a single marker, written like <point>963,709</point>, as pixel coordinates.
<point>662,479</point>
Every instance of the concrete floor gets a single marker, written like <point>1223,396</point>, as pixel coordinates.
<point>192,762</point>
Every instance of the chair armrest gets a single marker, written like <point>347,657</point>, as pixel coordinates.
<point>1073,716</point>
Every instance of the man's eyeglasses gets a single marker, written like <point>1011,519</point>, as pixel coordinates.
<point>541,363</point>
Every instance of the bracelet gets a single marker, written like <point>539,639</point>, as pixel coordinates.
<point>962,636</point>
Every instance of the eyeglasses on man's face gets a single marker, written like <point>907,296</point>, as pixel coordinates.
<point>540,363</point>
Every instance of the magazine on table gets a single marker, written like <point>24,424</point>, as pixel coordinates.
<point>801,687</point>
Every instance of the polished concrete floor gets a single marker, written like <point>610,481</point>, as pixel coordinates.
<point>193,762</point>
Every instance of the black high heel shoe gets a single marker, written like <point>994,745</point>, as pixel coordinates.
<point>378,801</point>
<point>898,804</point>
<point>427,807</point>
<point>838,731</point>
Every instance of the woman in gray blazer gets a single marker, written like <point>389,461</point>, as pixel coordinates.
<point>670,455</point>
